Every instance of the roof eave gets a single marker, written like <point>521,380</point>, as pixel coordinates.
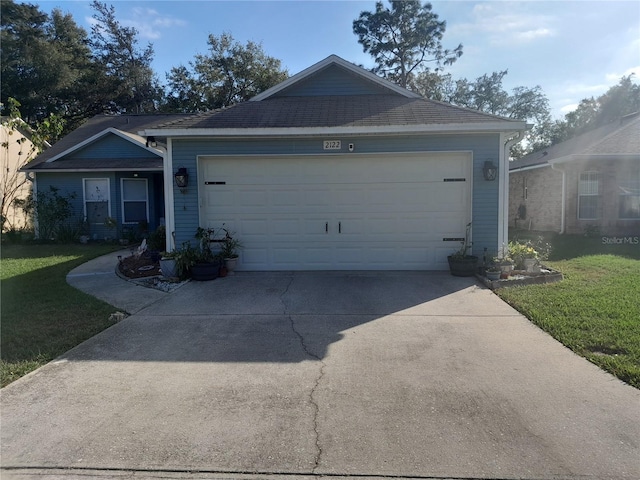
<point>77,170</point>
<point>600,156</point>
<point>484,127</point>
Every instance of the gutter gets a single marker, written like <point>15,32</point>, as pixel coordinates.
<point>529,167</point>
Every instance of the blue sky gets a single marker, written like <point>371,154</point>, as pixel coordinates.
<point>572,49</point>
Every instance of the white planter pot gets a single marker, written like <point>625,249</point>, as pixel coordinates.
<point>530,264</point>
<point>230,264</point>
<point>168,267</point>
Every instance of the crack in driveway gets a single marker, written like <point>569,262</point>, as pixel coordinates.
<point>312,399</point>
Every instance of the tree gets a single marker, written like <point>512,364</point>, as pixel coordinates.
<point>47,64</point>
<point>487,94</point>
<point>228,74</point>
<point>403,39</point>
<point>20,145</point>
<point>127,68</point>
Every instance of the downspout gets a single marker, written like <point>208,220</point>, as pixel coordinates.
<point>563,205</point>
<point>169,212</point>
<point>508,140</point>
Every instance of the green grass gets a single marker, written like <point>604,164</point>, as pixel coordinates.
<point>42,316</point>
<point>595,310</point>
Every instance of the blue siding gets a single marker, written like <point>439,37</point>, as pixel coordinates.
<point>483,147</point>
<point>111,146</point>
<point>72,184</point>
<point>333,81</point>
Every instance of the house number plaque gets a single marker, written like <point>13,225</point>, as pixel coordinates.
<point>331,145</point>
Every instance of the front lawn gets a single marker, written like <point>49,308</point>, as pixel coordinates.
<point>595,310</point>
<point>42,316</point>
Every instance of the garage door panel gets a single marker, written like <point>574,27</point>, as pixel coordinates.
<point>285,197</point>
<point>339,212</point>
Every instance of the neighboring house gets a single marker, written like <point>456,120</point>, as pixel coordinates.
<point>588,184</point>
<point>111,172</point>
<point>334,169</point>
<point>17,149</point>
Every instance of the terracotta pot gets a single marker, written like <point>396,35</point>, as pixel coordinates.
<point>231,264</point>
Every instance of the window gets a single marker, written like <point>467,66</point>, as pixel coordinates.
<point>589,195</point>
<point>135,202</point>
<point>629,189</point>
<point>97,205</point>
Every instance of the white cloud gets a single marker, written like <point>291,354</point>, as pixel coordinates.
<point>150,23</point>
<point>568,108</point>
<point>531,35</point>
<point>615,77</point>
<point>585,89</point>
<point>507,24</point>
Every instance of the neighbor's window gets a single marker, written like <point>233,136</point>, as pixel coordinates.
<point>135,201</point>
<point>629,189</point>
<point>589,195</point>
<point>97,205</point>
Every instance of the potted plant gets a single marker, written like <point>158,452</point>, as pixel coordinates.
<point>526,255</point>
<point>229,251</point>
<point>168,264</point>
<point>111,224</point>
<point>460,263</point>
<point>206,265</point>
<point>494,271</point>
<point>84,230</point>
<point>185,258</point>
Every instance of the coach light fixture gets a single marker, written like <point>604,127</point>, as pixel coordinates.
<point>182,179</point>
<point>490,171</point>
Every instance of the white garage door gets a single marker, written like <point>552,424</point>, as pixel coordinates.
<point>342,212</point>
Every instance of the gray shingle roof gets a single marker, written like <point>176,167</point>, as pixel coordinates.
<point>617,138</point>
<point>333,111</point>
<point>130,124</point>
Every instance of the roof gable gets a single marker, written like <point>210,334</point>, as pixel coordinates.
<point>98,132</point>
<point>333,80</point>
<point>109,143</point>
<point>334,76</point>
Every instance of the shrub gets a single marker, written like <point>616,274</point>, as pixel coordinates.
<point>50,209</point>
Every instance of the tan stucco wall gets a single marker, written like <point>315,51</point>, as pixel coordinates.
<point>11,160</point>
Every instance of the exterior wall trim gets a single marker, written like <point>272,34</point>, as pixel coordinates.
<point>337,154</point>
<point>466,128</point>
<point>169,212</point>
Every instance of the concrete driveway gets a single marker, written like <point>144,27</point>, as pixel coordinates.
<point>304,375</point>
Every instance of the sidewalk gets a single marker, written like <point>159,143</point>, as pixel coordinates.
<point>98,277</point>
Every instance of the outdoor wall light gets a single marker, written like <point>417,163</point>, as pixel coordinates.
<point>490,171</point>
<point>182,178</point>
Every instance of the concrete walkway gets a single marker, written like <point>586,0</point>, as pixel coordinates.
<point>311,375</point>
<point>98,278</point>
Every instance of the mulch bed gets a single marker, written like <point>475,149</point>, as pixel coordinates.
<point>139,267</point>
